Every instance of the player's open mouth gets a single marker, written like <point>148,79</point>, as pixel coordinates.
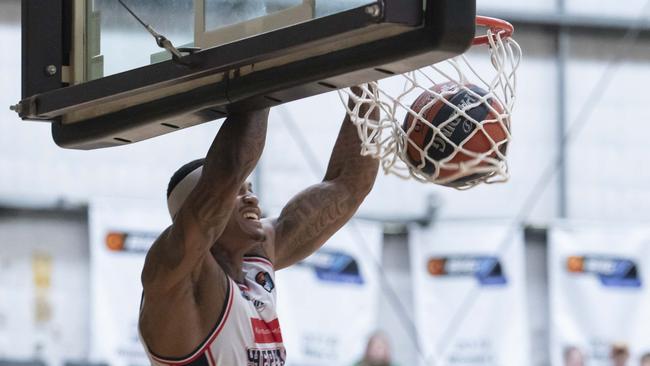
<point>251,216</point>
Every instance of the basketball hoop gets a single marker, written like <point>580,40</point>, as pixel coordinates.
<point>391,141</point>
<point>496,26</point>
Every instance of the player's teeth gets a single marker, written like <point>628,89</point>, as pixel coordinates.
<point>250,215</point>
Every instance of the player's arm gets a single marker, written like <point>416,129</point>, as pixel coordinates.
<point>315,214</point>
<point>204,215</point>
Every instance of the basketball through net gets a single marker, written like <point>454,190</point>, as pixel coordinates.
<point>448,123</point>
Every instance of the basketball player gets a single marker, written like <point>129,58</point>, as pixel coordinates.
<point>209,292</point>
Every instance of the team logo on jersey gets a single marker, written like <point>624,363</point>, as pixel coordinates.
<point>334,266</point>
<point>486,269</point>
<point>611,271</point>
<point>264,279</point>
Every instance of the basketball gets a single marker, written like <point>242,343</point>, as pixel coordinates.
<point>461,134</point>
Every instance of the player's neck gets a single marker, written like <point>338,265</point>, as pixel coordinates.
<point>230,258</point>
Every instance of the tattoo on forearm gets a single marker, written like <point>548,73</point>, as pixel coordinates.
<point>313,216</point>
<point>231,158</point>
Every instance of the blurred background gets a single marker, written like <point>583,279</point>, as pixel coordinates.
<point>552,268</point>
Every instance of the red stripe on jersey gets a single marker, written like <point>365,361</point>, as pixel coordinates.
<point>266,332</point>
<point>258,260</point>
<point>211,358</point>
<point>210,340</point>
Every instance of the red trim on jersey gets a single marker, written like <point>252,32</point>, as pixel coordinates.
<point>210,340</point>
<point>211,358</point>
<point>258,260</point>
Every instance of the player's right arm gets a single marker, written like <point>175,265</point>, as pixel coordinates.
<point>204,215</point>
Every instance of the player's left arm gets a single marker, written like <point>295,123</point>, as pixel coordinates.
<point>316,213</point>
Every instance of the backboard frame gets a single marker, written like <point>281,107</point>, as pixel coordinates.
<point>42,46</point>
<point>359,45</point>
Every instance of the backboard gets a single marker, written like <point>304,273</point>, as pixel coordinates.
<point>98,75</point>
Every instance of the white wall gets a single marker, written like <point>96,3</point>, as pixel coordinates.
<point>625,8</point>
<point>528,6</point>
<point>607,163</point>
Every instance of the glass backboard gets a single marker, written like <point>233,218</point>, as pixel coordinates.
<point>116,42</point>
<point>114,85</point>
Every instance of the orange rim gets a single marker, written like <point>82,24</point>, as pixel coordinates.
<point>496,25</point>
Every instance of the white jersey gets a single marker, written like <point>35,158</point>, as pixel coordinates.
<point>247,332</point>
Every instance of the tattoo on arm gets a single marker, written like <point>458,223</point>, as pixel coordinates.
<point>315,214</point>
<point>310,219</point>
<point>205,213</point>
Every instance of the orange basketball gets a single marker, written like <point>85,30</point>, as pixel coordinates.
<point>459,130</point>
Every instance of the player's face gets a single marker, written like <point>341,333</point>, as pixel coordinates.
<point>245,224</point>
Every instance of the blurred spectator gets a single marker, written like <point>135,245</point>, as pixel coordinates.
<point>573,357</point>
<point>619,354</point>
<point>377,351</point>
<point>645,359</point>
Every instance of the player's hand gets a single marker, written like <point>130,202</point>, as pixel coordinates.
<point>359,92</point>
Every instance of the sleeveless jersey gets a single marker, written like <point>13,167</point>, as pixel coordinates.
<point>247,332</point>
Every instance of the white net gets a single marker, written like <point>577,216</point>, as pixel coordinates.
<point>447,123</point>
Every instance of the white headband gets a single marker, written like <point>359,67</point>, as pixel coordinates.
<point>182,190</point>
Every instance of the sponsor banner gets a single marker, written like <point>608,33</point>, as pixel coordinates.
<point>469,293</point>
<point>121,232</point>
<point>328,303</point>
<point>599,295</point>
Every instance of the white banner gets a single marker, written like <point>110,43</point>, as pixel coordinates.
<point>599,292</point>
<point>328,304</point>
<point>121,232</point>
<point>469,286</point>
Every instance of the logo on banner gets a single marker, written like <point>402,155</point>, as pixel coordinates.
<point>486,269</point>
<point>129,242</point>
<point>611,271</point>
<point>334,266</point>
